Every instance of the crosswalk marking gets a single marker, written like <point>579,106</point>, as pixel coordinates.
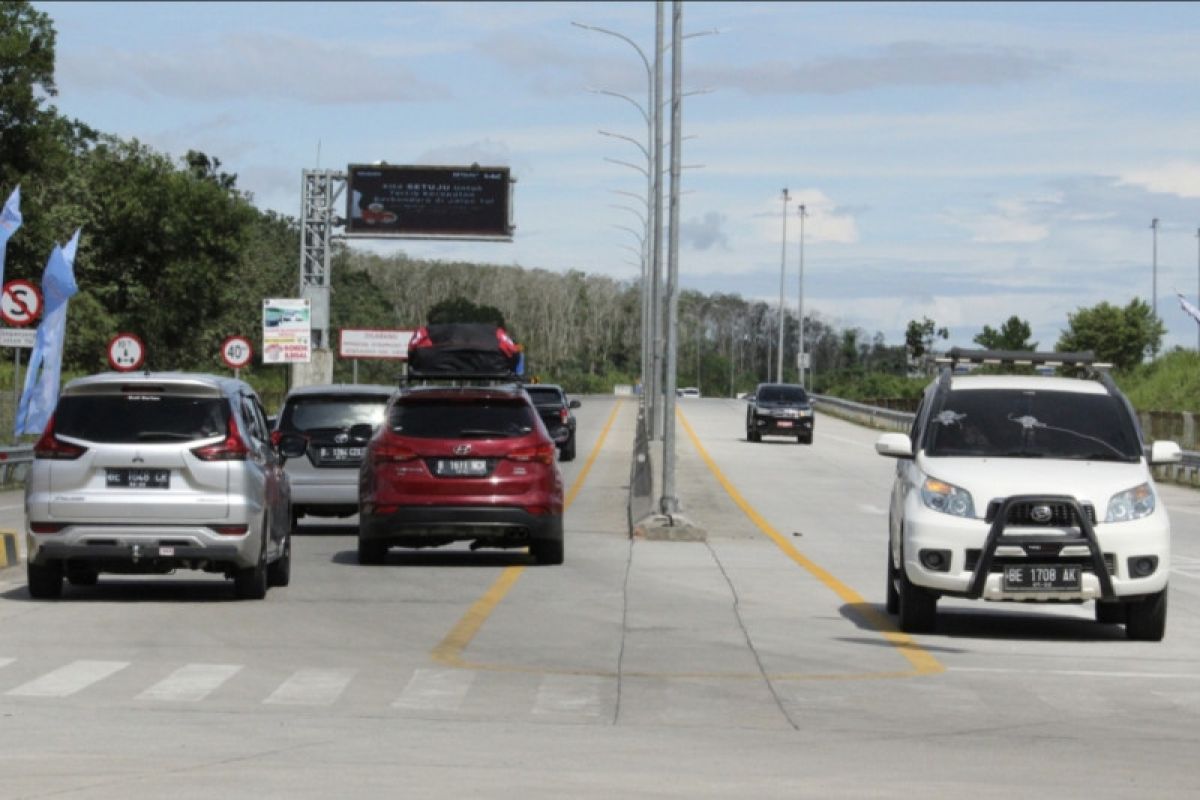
<point>68,680</point>
<point>436,690</point>
<point>312,687</point>
<point>190,683</point>
<point>569,694</point>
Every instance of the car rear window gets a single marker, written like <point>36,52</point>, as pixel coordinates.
<point>544,397</point>
<point>439,419</point>
<point>132,418</point>
<point>1032,424</point>
<point>782,394</point>
<point>305,414</point>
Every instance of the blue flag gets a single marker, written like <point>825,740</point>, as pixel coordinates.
<point>45,364</point>
<point>10,220</point>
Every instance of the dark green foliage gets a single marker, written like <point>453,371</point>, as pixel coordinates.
<point>1013,335</point>
<point>460,309</point>
<point>1122,336</point>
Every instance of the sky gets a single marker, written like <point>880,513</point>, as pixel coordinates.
<point>962,162</point>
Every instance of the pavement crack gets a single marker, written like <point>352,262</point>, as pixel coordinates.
<point>737,613</point>
<point>624,631</point>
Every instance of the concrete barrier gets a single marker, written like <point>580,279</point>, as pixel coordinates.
<point>9,555</point>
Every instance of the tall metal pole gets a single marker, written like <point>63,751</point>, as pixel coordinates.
<point>1198,287</point>
<point>1154,278</point>
<point>800,350</point>
<point>670,502</point>
<point>782,271</point>
<point>656,299</point>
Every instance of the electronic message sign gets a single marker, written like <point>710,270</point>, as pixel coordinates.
<point>429,202</point>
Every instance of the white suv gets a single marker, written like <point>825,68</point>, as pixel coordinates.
<point>1028,488</point>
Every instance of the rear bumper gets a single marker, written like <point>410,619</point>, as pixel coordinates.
<point>416,525</point>
<point>149,549</point>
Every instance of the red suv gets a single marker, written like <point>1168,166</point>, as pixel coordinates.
<point>460,463</point>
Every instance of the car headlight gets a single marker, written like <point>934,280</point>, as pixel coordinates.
<point>806,412</point>
<point>947,498</point>
<point>1131,504</point>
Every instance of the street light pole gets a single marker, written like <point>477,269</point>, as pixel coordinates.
<point>1154,277</point>
<point>1198,287</point>
<point>782,275</point>
<point>800,350</point>
<point>670,500</point>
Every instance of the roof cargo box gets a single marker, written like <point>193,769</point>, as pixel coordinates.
<point>462,349</point>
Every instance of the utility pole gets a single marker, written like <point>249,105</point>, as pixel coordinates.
<point>1154,278</point>
<point>670,500</point>
<point>782,275</point>
<point>800,350</point>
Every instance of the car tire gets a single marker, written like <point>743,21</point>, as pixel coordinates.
<point>549,551</point>
<point>1147,619</point>
<point>918,606</point>
<point>45,580</point>
<point>1111,613</point>
<point>279,573</point>
<point>753,436</point>
<point>251,583</point>
<point>893,595</point>
<point>371,552</point>
<point>568,450</point>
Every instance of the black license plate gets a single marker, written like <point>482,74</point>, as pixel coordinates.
<point>462,467</point>
<point>342,453</point>
<point>137,478</point>
<point>1042,577</point>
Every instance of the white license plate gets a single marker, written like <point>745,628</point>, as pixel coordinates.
<point>342,453</point>
<point>784,423</point>
<point>462,467</point>
<point>1042,577</point>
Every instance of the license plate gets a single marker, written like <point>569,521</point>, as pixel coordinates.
<point>342,453</point>
<point>137,478</point>
<point>462,467</point>
<point>1042,577</point>
<point>784,423</point>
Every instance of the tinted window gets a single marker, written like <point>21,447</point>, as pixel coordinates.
<point>126,419</point>
<point>1031,424</point>
<point>781,394</point>
<point>438,419</point>
<point>304,414</point>
<point>544,397</point>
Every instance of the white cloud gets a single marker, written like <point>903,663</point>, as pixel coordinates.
<point>1180,178</point>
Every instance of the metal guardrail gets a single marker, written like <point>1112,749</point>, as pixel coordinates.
<point>14,463</point>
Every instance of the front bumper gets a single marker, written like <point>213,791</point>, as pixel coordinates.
<point>782,426</point>
<point>979,552</point>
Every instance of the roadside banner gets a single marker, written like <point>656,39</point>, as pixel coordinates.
<point>10,220</point>
<point>1188,307</point>
<point>287,331</point>
<point>45,363</point>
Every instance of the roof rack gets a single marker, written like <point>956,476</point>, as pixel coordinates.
<point>435,376</point>
<point>958,355</point>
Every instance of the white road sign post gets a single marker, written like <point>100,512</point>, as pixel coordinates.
<point>236,352</point>
<point>126,352</point>
<point>385,343</point>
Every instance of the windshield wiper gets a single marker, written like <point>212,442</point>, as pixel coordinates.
<point>1029,422</point>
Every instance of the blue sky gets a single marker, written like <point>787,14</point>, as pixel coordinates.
<point>964,162</point>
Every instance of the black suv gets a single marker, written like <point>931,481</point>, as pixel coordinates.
<point>555,410</point>
<point>779,409</point>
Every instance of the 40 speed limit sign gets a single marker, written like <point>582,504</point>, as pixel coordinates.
<point>236,352</point>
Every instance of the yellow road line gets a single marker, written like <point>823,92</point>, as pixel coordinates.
<point>449,651</point>
<point>923,662</point>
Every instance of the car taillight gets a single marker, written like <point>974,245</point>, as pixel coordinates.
<point>387,452</point>
<point>46,527</point>
<point>564,415</point>
<point>230,449</point>
<point>50,446</point>
<point>276,436</point>
<point>230,530</point>
<point>543,453</point>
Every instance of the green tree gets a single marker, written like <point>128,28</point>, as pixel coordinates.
<point>1121,336</point>
<point>919,336</point>
<point>460,309</point>
<point>1013,335</point>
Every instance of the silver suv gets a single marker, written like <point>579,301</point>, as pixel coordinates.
<point>325,481</point>
<point>147,473</point>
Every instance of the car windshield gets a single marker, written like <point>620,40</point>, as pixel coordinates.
<point>133,418</point>
<point>1032,424</point>
<point>438,419</point>
<point>305,414</point>
<point>781,394</point>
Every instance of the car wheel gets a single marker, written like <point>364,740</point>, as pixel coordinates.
<point>251,583</point>
<point>371,551</point>
<point>280,572</point>
<point>549,551</point>
<point>893,596</point>
<point>918,606</point>
<point>806,439</point>
<point>1147,620</point>
<point>753,435</point>
<point>45,580</point>
<point>568,450</point>
<point>1110,613</point>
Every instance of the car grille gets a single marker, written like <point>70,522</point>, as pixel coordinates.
<point>1061,514</point>
<point>999,562</point>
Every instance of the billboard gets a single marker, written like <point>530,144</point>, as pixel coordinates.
<point>374,343</point>
<point>429,202</point>
<point>287,331</point>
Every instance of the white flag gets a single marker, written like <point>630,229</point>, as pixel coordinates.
<point>1188,307</point>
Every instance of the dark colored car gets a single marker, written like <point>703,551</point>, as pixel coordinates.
<point>325,480</point>
<point>460,463</point>
<point>555,410</point>
<point>779,409</point>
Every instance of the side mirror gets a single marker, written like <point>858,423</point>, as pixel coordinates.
<point>575,404</point>
<point>361,432</point>
<point>894,445</point>
<point>292,445</point>
<point>1165,453</point>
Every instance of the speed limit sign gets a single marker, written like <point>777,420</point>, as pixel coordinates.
<point>126,352</point>
<point>236,351</point>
